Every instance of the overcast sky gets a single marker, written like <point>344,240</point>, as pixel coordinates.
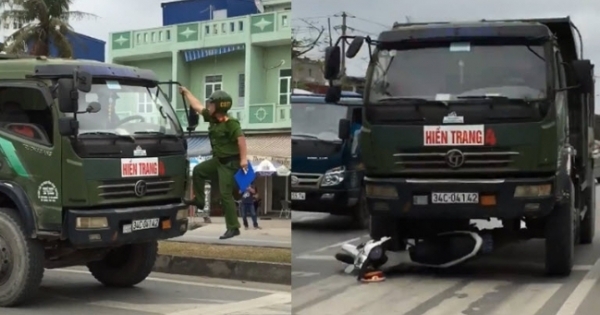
<point>117,15</point>
<point>373,16</point>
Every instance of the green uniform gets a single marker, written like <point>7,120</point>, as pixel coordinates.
<point>223,165</point>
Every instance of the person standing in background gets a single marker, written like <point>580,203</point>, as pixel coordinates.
<point>247,207</point>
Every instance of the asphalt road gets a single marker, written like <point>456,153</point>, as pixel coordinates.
<point>74,291</point>
<point>509,282</point>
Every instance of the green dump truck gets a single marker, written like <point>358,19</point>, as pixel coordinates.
<point>84,178</point>
<point>478,120</point>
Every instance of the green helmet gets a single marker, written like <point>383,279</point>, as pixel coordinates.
<point>222,101</point>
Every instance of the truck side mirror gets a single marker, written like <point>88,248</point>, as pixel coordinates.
<point>333,62</point>
<point>68,126</point>
<point>334,93</point>
<point>583,70</point>
<point>355,46</point>
<point>83,81</point>
<point>344,129</point>
<point>67,96</point>
<point>193,120</point>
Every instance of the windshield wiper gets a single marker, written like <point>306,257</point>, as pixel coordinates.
<point>416,100</point>
<point>494,98</point>
<point>162,135</point>
<point>109,133</point>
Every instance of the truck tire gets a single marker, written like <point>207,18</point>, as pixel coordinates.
<point>360,212</point>
<point>125,266</point>
<point>21,261</point>
<point>588,228</point>
<point>560,229</point>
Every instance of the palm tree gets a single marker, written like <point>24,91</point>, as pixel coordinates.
<point>45,22</point>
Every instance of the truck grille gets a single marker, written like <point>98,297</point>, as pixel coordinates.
<point>474,158</point>
<point>125,188</point>
<point>305,180</point>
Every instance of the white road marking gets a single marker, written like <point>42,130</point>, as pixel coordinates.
<point>304,274</point>
<point>582,267</point>
<point>309,293</point>
<point>317,257</point>
<point>162,308</point>
<point>464,297</point>
<point>339,244</point>
<point>584,287</point>
<point>389,297</point>
<point>247,305</point>
<point>528,299</point>
<point>179,282</point>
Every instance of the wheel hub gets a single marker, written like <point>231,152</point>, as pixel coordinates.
<point>6,261</point>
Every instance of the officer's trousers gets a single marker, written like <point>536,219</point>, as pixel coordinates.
<point>224,172</point>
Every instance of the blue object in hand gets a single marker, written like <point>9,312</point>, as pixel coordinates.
<point>244,178</point>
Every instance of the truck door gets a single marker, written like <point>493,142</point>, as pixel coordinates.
<point>31,155</point>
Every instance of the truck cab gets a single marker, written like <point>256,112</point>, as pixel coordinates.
<point>478,120</point>
<point>326,172</point>
<point>84,179</point>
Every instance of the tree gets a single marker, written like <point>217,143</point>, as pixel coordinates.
<point>45,22</point>
<point>304,44</point>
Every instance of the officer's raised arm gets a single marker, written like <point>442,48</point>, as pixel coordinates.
<point>195,103</point>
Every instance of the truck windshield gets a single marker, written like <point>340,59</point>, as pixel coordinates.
<point>127,108</point>
<point>317,121</point>
<point>459,70</point>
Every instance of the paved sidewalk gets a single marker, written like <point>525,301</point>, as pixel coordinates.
<point>274,233</point>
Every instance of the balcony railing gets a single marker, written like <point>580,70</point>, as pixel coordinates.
<point>274,25</point>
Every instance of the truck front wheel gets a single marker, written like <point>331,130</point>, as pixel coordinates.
<point>125,266</point>
<point>560,229</point>
<point>21,261</point>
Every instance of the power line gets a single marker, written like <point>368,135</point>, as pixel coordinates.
<point>312,18</point>
<point>369,21</point>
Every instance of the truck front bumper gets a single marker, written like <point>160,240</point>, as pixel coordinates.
<point>412,198</point>
<point>335,201</point>
<point>119,226</point>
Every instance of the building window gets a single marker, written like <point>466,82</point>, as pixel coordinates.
<point>212,83</point>
<point>285,20</point>
<point>241,26</point>
<point>241,89</point>
<point>145,103</point>
<point>285,86</point>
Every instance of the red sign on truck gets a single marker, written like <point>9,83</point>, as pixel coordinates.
<point>463,135</point>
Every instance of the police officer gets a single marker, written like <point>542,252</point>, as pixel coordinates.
<point>229,155</point>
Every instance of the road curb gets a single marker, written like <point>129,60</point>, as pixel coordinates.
<point>226,269</point>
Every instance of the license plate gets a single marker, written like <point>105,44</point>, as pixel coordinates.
<point>298,196</point>
<point>449,198</point>
<point>144,224</point>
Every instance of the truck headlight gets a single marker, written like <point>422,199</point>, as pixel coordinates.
<point>333,176</point>
<point>91,223</point>
<point>533,190</point>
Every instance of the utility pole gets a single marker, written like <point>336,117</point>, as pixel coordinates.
<point>344,28</point>
<point>329,27</point>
